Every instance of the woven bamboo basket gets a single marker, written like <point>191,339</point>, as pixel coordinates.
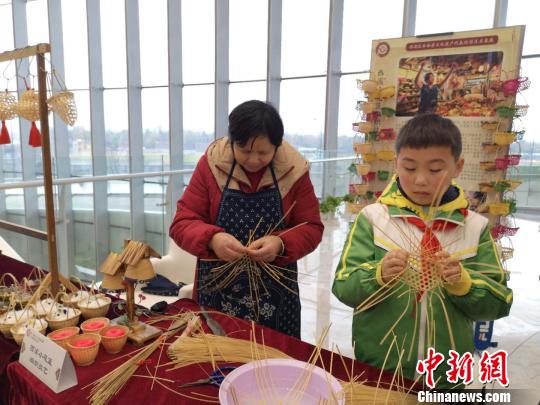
<point>63,104</point>
<point>387,92</point>
<point>362,168</point>
<point>514,184</point>
<point>355,207</point>
<point>7,103</point>
<point>499,208</point>
<point>490,125</point>
<point>490,147</point>
<point>62,341</point>
<point>369,157</point>
<point>365,147</point>
<point>114,344</point>
<point>361,189</point>
<point>11,318</point>
<point>88,312</point>
<point>486,187</point>
<point>55,324</point>
<point>19,336</point>
<point>368,106</point>
<point>488,165</point>
<point>365,126</point>
<point>85,325</point>
<point>84,356</point>
<point>387,155</point>
<point>368,86</point>
<point>419,278</point>
<point>28,105</point>
<point>72,299</point>
<point>504,138</point>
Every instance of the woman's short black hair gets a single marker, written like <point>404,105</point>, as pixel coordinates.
<point>254,118</point>
<point>426,130</point>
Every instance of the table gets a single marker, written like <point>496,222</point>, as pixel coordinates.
<point>9,350</point>
<point>27,389</point>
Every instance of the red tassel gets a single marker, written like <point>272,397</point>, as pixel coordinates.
<point>4,135</point>
<point>35,136</point>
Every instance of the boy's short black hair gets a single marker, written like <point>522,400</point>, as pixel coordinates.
<point>254,118</point>
<point>427,130</point>
<point>426,76</point>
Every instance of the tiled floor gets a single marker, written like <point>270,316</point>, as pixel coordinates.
<point>519,333</point>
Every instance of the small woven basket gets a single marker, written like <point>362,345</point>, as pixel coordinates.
<point>18,337</point>
<point>64,323</point>
<point>115,344</point>
<point>84,356</point>
<point>28,105</point>
<point>62,341</point>
<point>63,104</point>
<point>85,324</point>
<point>98,312</point>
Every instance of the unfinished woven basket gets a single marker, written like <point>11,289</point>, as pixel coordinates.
<point>63,104</point>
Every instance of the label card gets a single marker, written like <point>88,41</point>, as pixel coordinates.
<point>47,361</point>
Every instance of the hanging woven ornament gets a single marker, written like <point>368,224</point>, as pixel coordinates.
<point>63,102</point>
<point>28,108</point>
<point>7,112</point>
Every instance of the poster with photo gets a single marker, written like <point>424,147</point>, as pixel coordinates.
<point>457,75</point>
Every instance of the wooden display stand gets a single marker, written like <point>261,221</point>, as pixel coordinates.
<point>39,51</point>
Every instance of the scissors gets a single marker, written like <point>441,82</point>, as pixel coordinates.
<point>216,378</point>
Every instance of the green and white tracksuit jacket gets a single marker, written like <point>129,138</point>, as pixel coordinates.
<point>442,318</point>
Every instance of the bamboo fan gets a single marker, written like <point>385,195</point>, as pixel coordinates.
<point>7,112</point>
<point>28,108</point>
<point>63,102</point>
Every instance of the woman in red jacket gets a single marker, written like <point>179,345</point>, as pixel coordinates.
<point>250,177</point>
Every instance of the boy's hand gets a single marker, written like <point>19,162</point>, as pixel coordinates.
<point>265,249</point>
<point>227,247</point>
<point>448,268</point>
<point>393,264</point>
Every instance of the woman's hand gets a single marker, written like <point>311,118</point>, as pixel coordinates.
<point>227,247</point>
<point>265,249</point>
<point>393,264</point>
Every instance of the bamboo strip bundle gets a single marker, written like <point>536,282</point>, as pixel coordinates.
<point>204,348</point>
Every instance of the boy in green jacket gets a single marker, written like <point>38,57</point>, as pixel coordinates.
<point>417,265</point>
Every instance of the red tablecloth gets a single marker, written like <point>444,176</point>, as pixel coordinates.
<point>27,389</point>
<point>8,348</point>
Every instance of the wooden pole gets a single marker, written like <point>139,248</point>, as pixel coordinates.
<point>47,172</point>
<point>130,301</point>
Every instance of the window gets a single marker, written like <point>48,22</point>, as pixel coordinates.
<point>362,24</point>
<point>198,31</point>
<point>115,107</point>
<point>80,142</point>
<point>525,12</point>
<point>37,24</point>
<point>248,32</point>
<point>240,92</point>
<point>198,122</point>
<point>154,39</point>
<point>304,37</point>
<point>113,43</point>
<point>155,123</point>
<point>75,44</point>
<point>434,16</point>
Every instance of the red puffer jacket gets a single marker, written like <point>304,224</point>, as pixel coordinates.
<point>197,210</point>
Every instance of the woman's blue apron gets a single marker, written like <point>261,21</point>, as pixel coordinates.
<point>278,308</point>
